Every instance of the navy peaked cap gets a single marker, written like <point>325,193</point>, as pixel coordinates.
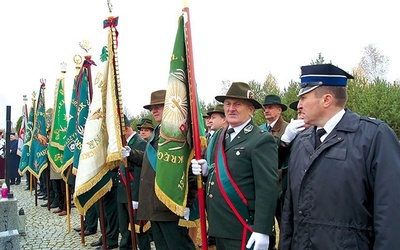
<point>313,76</point>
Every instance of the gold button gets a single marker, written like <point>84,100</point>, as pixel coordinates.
<point>210,195</point>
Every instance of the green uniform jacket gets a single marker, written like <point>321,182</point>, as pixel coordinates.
<point>135,164</point>
<point>253,164</point>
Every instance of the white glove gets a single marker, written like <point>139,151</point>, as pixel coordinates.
<point>260,241</point>
<point>186,213</point>
<point>125,151</point>
<point>199,167</point>
<point>292,129</point>
<point>135,204</point>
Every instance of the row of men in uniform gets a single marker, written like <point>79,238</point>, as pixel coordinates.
<point>115,201</point>
<point>342,174</point>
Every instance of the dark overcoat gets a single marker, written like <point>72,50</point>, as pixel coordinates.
<point>345,194</point>
<point>14,160</point>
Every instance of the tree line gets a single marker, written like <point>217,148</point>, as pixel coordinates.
<point>369,94</point>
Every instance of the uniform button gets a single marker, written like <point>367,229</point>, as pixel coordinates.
<point>300,212</point>
<point>212,183</point>
<point>210,195</point>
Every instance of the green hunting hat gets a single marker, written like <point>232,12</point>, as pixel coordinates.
<point>126,121</point>
<point>146,124</point>
<point>274,99</point>
<point>208,111</point>
<point>143,120</point>
<point>240,90</point>
<point>218,109</point>
<point>156,98</point>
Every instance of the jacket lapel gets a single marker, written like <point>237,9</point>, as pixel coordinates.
<point>239,138</point>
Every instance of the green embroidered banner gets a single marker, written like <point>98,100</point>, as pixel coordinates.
<point>38,154</point>
<point>58,128</point>
<point>174,147</point>
<point>26,150</point>
<point>69,145</point>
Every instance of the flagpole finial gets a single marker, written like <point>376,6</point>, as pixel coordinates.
<point>33,97</point>
<point>85,45</point>
<point>110,6</point>
<point>43,82</point>
<point>63,69</point>
<point>78,62</point>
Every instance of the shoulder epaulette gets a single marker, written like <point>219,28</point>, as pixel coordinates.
<point>371,119</point>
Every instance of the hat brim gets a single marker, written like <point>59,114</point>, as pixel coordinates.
<point>283,106</point>
<point>148,106</point>
<point>293,105</point>
<point>221,98</point>
<point>307,90</point>
<point>215,112</point>
<point>140,127</point>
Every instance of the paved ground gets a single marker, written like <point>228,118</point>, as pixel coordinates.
<point>46,230</point>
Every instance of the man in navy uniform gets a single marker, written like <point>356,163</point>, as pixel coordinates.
<point>343,177</point>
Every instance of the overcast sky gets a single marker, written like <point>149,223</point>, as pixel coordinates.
<point>233,40</point>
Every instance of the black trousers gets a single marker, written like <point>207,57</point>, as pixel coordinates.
<point>142,239</point>
<point>168,235</point>
<point>111,216</point>
<point>91,219</point>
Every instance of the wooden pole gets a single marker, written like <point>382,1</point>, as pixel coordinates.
<point>130,206</point>
<point>82,230</point>
<point>102,224</point>
<point>68,205</point>
<point>195,126</point>
<point>48,185</point>
<point>30,182</point>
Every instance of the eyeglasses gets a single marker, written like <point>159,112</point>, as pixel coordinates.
<point>156,107</point>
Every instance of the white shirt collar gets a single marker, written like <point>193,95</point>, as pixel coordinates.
<point>273,123</point>
<point>331,123</point>
<point>130,137</point>
<point>238,129</point>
